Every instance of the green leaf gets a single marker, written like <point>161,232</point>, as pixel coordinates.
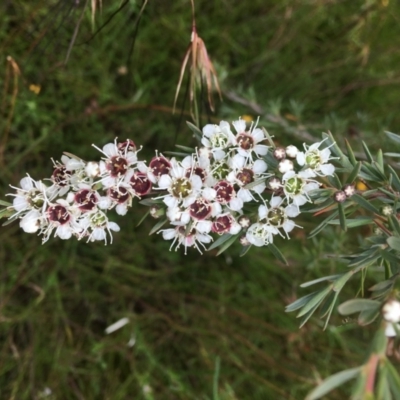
<point>143,218</point>
<point>381,285</point>
<point>324,278</point>
<point>300,302</point>
<point>5,203</point>
<point>276,252</point>
<point>227,244</point>
<point>354,174</point>
<point>337,151</point>
<point>322,225</point>
<point>335,181</point>
<point>244,250</point>
<point>190,150</point>
<point>196,131</point>
<point>395,178</point>
<point>357,305</point>
<point>395,155</point>
<point>342,217</point>
<point>366,317</point>
<point>367,152</point>
<point>333,382</point>
<point>340,282</point>
<point>352,223</point>
<point>394,379</point>
<point>315,301</point>
<point>393,242</point>
<point>379,160</point>
<point>393,136</point>
<point>220,241</point>
<point>158,225</point>
<point>364,203</point>
<point>350,153</point>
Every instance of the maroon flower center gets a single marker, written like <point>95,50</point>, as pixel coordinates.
<point>117,166</point>
<point>59,214</point>
<point>118,194</point>
<point>140,184</point>
<point>245,141</point>
<point>160,166</point>
<point>200,209</point>
<point>86,200</point>
<point>245,176</point>
<point>61,176</point>
<point>196,171</point>
<point>225,192</point>
<point>222,224</point>
<point>128,145</point>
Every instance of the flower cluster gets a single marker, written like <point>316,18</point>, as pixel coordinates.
<point>75,199</point>
<point>227,186</point>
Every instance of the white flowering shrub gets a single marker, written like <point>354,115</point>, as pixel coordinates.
<point>237,186</point>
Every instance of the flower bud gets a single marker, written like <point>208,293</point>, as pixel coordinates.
<point>349,190</point>
<point>244,241</point>
<point>279,153</point>
<point>291,151</point>
<point>340,196</point>
<point>275,184</point>
<point>285,166</point>
<point>244,221</point>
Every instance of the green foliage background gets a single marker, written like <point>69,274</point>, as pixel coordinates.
<point>304,67</point>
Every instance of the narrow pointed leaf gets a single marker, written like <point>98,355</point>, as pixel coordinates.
<point>350,153</point>
<point>342,217</point>
<point>364,203</point>
<point>315,301</point>
<point>367,152</point>
<point>324,278</point>
<point>221,240</point>
<point>358,305</point>
<point>333,382</point>
<point>393,136</point>
<point>300,302</point>
<point>354,173</point>
<point>227,244</point>
<point>197,132</point>
<point>159,225</point>
<point>395,178</point>
<point>276,252</point>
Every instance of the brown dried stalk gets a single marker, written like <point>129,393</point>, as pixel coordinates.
<point>201,71</point>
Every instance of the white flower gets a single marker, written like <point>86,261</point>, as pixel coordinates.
<point>217,138</point>
<point>260,234</point>
<point>116,163</point>
<point>180,236</point>
<point>62,218</point>
<point>182,190</point>
<point>391,311</point>
<point>278,216</point>
<point>316,160</point>
<point>296,186</point>
<point>249,141</point>
<point>96,225</point>
<point>32,195</point>
<point>32,221</point>
<point>245,172</point>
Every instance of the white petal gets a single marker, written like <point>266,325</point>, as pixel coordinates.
<point>260,166</point>
<point>204,226</point>
<point>165,182</point>
<point>113,227</point>
<point>327,169</point>
<point>240,125</point>
<point>236,204</point>
<point>31,221</point>
<point>258,135</point>
<point>292,211</point>
<point>301,158</point>
<point>288,225</point>
<point>110,150</point>
<point>276,201</point>
<point>64,232</point>
<point>168,234</point>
